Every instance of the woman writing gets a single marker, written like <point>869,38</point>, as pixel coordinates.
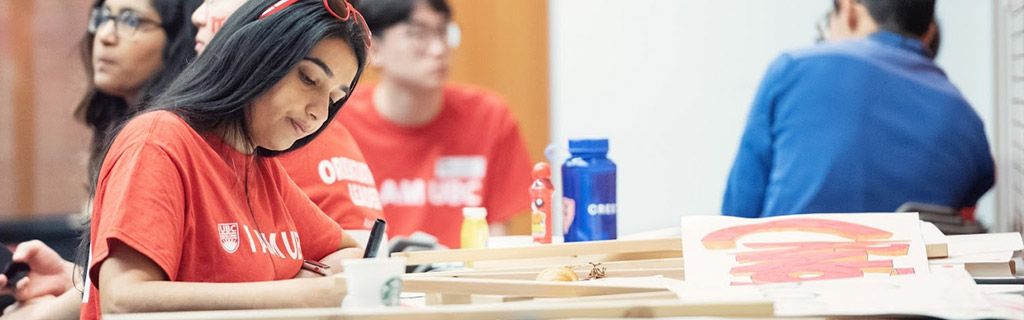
<point>190,200</point>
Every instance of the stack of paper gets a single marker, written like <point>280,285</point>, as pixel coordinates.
<point>983,255</point>
<point>845,265</point>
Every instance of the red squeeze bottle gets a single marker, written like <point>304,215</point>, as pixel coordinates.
<point>540,193</point>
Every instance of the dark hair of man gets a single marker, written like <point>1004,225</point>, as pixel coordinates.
<point>101,111</point>
<point>382,14</point>
<point>933,48</point>
<point>906,17</point>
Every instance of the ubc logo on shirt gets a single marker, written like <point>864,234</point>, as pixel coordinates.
<point>228,236</point>
<point>457,182</point>
<point>284,244</point>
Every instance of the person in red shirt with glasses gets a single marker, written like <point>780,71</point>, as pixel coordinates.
<point>434,148</point>
<point>192,209</point>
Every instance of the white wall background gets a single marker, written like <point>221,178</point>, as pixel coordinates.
<point>670,83</point>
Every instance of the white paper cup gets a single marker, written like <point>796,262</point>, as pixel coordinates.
<point>373,282</point>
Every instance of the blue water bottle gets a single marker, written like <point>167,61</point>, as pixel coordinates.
<point>588,188</point>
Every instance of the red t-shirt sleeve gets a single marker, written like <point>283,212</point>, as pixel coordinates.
<point>508,177</point>
<point>140,202</point>
<point>319,234</point>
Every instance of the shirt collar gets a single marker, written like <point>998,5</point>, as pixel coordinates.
<point>898,41</point>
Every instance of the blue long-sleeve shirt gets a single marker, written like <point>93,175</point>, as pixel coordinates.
<point>857,126</point>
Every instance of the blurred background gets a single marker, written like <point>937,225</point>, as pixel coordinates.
<point>669,82</point>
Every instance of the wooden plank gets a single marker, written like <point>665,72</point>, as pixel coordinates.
<point>517,288</point>
<point>609,309</point>
<point>671,273</point>
<point>448,299</point>
<point>442,298</point>
<point>990,269</point>
<point>936,250</point>
<point>587,309</point>
<point>629,264</point>
<point>269,314</point>
<point>573,249</point>
<point>663,295</point>
<point>581,260</point>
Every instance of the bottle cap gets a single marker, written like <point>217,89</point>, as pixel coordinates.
<point>541,170</point>
<point>588,146</point>
<point>474,212</point>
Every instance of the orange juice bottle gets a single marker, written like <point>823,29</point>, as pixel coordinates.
<point>474,228</point>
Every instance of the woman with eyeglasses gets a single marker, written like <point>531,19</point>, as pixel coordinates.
<point>133,49</point>
<point>192,209</point>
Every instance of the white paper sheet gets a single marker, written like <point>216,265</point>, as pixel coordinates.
<point>951,295</point>
<point>727,250</point>
<point>931,233</point>
<point>968,244</point>
<point>998,256</point>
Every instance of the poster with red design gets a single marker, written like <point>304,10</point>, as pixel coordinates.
<point>738,251</point>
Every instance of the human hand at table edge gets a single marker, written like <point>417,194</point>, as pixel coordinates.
<point>66,306</point>
<point>349,249</point>
<point>49,275</point>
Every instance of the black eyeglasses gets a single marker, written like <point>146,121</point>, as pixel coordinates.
<point>126,23</point>
<point>422,35</point>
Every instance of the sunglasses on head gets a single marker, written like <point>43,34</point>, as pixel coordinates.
<point>340,9</point>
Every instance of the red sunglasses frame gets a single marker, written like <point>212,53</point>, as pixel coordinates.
<point>349,10</point>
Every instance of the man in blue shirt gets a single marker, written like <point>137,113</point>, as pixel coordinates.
<point>861,125</point>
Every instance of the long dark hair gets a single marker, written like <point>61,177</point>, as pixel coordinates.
<point>102,111</point>
<point>245,59</point>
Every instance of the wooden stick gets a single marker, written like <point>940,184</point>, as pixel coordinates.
<point>662,295</point>
<point>631,264</point>
<point>519,288</point>
<point>444,298</point>
<point>555,261</point>
<point>936,250</point>
<point>672,273</point>
<point>573,249</point>
<point>587,309</point>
